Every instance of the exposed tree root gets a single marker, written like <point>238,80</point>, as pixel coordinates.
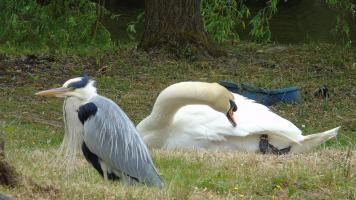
<point>9,177</point>
<point>182,45</point>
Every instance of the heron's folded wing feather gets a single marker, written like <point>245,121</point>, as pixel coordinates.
<point>111,135</point>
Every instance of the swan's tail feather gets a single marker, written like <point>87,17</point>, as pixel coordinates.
<point>314,140</point>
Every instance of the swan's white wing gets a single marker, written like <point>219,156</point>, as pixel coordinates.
<point>251,118</point>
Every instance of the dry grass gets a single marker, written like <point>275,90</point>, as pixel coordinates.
<point>194,175</point>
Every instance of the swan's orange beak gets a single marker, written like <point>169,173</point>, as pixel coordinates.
<point>230,117</point>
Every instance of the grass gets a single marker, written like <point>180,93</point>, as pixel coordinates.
<point>196,175</point>
<point>33,125</point>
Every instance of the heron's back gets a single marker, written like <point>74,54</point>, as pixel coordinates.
<point>112,136</point>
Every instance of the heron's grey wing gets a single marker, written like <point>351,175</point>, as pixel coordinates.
<point>111,135</point>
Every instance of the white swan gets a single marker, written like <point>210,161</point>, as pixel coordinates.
<point>193,115</point>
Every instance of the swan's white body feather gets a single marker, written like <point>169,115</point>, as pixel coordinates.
<point>200,126</point>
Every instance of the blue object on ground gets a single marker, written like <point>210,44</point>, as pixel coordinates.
<point>264,96</point>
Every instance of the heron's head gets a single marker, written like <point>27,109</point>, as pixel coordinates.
<point>81,87</point>
<point>225,102</point>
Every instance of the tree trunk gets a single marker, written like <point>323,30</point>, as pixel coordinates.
<point>176,26</point>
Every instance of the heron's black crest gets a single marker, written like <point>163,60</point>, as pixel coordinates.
<point>86,110</point>
<point>233,105</point>
<point>80,84</point>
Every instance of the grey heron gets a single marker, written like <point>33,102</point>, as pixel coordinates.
<point>108,138</point>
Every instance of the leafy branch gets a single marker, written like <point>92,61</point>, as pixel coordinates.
<point>346,9</point>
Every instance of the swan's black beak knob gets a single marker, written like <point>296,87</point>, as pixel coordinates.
<point>230,113</point>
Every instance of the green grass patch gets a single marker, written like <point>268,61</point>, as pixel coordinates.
<point>33,126</point>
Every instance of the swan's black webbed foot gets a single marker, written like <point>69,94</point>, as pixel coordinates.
<point>267,148</point>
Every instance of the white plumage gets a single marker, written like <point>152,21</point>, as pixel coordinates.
<point>201,126</point>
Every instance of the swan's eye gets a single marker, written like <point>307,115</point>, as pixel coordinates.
<point>233,105</point>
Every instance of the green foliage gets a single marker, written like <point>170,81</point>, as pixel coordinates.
<point>260,29</point>
<point>221,19</point>
<point>346,8</point>
<point>131,26</point>
<point>56,27</point>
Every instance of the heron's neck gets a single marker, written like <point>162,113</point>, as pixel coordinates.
<point>87,93</point>
<point>173,98</point>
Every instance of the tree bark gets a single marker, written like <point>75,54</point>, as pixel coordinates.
<point>175,25</point>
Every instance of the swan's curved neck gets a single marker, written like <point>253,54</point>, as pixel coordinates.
<point>176,96</point>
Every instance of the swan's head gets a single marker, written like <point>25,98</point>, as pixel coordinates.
<point>81,87</point>
<point>225,102</point>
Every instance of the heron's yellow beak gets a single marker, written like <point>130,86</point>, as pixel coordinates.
<point>55,92</point>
